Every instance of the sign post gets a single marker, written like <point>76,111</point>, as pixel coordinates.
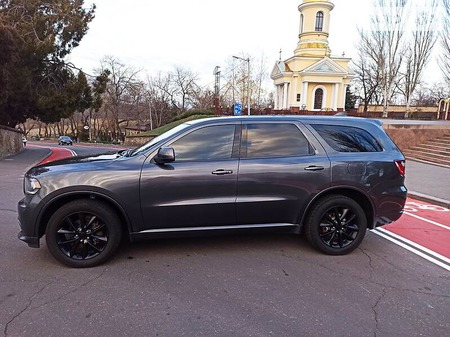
<point>237,109</point>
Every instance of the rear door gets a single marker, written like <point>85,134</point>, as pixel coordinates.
<point>282,166</point>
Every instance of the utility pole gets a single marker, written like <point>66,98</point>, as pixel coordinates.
<point>248,80</point>
<point>216,89</point>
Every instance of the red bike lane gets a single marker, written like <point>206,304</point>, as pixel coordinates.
<point>423,229</point>
<point>56,153</point>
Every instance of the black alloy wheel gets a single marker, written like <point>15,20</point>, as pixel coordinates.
<point>83,233</point>
<point>336,225</point>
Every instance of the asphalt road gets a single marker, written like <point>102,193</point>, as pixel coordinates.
<point>260,285</point>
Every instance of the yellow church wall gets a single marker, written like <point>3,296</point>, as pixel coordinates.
<point>328,92</point>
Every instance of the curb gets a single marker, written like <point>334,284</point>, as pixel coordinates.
<point>429,198</point>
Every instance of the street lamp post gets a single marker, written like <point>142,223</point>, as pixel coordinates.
<point>248,80</point>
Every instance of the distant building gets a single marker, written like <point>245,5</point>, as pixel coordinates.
<point>312,79</point>
<point>136,129</point>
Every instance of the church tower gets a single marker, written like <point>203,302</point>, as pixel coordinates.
<point>312,79</point>
<point>314,28</point>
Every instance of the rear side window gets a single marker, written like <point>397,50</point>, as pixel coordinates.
<point>348,139</point>
<point>274,140</point>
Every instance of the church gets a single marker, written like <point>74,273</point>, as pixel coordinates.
<point>312,79</point>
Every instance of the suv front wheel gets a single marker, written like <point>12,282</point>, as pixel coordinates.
<point>83,233</point>
<point>336,225</point>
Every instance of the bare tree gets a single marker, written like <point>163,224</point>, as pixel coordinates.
<point>418,52</point>
<point>444,61</point>
<point>384,44</point>
<point>122,78</point>
<point>426,95</point>
<point>161,98</point>
<point>368,76</point>
<point>183,82</point>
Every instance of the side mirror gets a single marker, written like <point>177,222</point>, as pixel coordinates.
<point>165,155</point>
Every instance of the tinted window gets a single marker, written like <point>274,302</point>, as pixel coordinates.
<point>209,143</point>
<point>348,139</point>
<point>274,140</point>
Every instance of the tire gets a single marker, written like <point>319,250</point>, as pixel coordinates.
<point>336,225</point>
<point>83,233</point>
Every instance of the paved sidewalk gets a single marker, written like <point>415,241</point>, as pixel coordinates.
<point>428,182</point>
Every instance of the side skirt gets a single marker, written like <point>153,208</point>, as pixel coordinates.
<point>212,230</point>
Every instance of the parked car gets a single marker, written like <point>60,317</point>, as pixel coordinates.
<point>65,140</point>
<point>330,178</point>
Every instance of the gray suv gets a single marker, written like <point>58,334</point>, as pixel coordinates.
<point>330,178</point>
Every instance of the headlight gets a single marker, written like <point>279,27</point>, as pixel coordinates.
<point>31,185</point>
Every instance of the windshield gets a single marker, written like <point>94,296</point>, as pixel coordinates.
<point>159,139</point>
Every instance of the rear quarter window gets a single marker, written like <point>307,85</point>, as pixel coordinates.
<point>348,138</point>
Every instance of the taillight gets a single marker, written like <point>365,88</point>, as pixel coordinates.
<point>400,166</point>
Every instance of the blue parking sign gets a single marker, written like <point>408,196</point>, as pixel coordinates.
<point>237,109</point>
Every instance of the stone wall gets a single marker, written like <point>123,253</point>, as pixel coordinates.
<point>10,141</point>
<point>407,136</point>
<point>135,141</point>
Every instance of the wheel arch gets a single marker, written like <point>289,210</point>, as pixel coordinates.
<point>360,197</point>
<point>63,199</point>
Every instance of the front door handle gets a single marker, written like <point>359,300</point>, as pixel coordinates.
<point>222,172</point>
<point>314,168</point>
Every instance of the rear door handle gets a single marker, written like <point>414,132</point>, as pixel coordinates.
<point>222,172</point>
<point>314,168</point>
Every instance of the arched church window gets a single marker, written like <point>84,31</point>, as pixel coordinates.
<point>318,99</point>
<point>319,21</point>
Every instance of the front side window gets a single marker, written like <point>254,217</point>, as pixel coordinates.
<point>206,144</point>
<point>274,140</point>
<point>348,139</point>
<point>319,21</point>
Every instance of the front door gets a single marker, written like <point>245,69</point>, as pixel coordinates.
<point>198,189</point>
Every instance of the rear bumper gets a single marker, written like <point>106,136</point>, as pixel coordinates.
<point>390,209</point>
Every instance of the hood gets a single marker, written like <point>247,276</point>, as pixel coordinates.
<point>77,163</point>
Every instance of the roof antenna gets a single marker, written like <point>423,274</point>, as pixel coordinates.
<point>280,55</point>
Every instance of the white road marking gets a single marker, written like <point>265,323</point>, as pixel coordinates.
<point>415,248</point>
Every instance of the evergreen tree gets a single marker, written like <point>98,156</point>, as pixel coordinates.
<point>35,37</point>
<point>350,99</point>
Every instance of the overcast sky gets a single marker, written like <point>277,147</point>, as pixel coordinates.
<point>155,35</point>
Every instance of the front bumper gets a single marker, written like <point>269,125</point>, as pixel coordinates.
<point>32,242</point>
<point>27,216</point>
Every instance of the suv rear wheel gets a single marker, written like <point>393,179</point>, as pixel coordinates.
<point>83,233</point>
<point>336,225</point>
